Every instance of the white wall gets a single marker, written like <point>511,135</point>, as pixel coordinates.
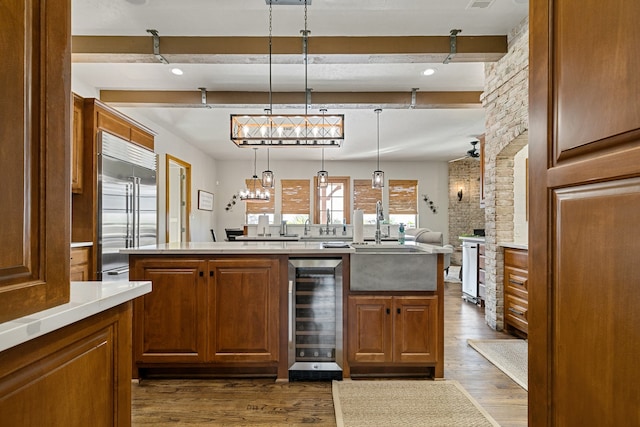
<point>432,180</point>
<point>203,177</point>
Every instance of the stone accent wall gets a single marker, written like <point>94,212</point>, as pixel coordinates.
<point>465,214</point>
<point>506,102</point>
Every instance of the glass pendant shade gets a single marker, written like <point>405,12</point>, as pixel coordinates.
<point>377,179</point>
<point>267,179</point>
<point>323,179</point>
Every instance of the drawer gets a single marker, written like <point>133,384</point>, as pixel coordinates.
<point>516,258</point>
<point>516,313</point>
<point>516,282</point>
<point>481,249</point>
<point>79,256</point>
<point>481,260</point>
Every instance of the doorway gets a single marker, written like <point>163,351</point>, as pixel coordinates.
<point>178,199</point>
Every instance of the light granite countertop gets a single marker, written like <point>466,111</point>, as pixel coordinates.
<point>247,247</point>
<point>514,245</point>
<point>87,299</point>
<point>81,244</point>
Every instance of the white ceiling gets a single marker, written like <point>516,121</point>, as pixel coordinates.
<point>419,134</point>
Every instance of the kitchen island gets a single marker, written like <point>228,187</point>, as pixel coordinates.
<point>223,309</point>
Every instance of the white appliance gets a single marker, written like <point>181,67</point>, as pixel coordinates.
<point>470,271</point>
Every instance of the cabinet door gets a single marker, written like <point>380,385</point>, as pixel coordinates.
<point>244,310</point>
<point>415,329</point>
<point>79,264</point>
<point>369,334</point>
<point>35,116</point>
<point>77,143</point>
<point>170,322</point>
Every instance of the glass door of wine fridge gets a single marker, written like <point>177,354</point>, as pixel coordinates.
<point>315,319</point>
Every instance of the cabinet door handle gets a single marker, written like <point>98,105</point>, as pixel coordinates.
<point>398,311</point>
<point>516,282</point>
<point>201,274</point>
<point>514,311</point>
<point>388,311</point>
<point>211,273</point>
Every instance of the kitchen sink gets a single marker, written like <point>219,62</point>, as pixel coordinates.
<point>387,267</point>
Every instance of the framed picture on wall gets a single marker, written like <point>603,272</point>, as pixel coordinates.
<point>205,200</point>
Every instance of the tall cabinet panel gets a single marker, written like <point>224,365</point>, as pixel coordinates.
<point>35,117</point>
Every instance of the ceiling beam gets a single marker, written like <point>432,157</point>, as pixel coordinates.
<point>287,50</point>
<point>344,100</point>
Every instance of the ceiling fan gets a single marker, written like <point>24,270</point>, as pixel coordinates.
<point>471,154</point>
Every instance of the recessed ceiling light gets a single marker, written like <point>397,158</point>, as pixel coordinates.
<point>137,2</point>
<point>177,71</point>
<point>429,72</point>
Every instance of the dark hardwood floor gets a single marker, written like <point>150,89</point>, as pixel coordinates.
<point>235,402</point>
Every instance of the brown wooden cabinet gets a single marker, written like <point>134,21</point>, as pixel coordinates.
<point>79,375</point>
<point>516,292</point>
<point>79,266</point>
<point>97,117</point>
<point>392,329</point>
<point>244,303</point>
<point>77,145</point>
<point>35,117</point>
<point>208,312</point>
<point>170,323</point>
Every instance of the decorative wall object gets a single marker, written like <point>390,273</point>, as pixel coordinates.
<point>205,200</point>
<point>430,204</point>
<point>231,203</point>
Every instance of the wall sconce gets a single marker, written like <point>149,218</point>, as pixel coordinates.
<point>460,194</point>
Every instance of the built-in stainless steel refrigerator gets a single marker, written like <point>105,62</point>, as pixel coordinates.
<point>127,203</point>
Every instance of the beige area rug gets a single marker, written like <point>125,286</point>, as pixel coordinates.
<point>406,403</point>
<point>510,356</point>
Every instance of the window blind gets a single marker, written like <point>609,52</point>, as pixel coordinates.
<point>260,207</point>
<point>403,196</point>
<point>296,197</point>
<point>364,196</point>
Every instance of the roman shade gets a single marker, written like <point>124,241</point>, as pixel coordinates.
<point>296,196</point>
<point>260,207</point>
<point>364,196</point>
<point>403,196</point>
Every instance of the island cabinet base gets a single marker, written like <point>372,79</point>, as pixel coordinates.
<point>79,375</point>
<point>212,315</point>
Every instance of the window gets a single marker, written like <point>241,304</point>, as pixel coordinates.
<point>254,209</point>
<point>334,197</point>
<point>365,198</point>
<point>403,202</point>
<point>296,200</point>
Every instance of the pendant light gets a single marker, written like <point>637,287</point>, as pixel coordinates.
<point>267,175</point>
<point>377,179</point>
<point>323,175</point>
<point>254,193</point>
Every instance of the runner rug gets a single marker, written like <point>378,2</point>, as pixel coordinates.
<point>510,356</point>
<point>406,403</point>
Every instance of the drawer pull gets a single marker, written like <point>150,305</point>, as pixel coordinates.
<point>388,311</point>
<point>515,282</point>
<point>201,273</point>
<point>514,311</point>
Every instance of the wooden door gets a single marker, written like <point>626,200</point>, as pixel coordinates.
<point>584,159</point>
<point>369,338</point>
<point>35,117</point>
<point>415,329</point>
<point>244,312</point>
<point>170,322</point>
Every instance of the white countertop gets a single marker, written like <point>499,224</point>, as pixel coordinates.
<point>472,238</point>
<point>514,245</point>
<point>81,244</point>
<point>87,299</point>
<point>247,247</point>
<point>272,238</point>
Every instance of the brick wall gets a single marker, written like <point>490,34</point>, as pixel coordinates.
<point>465,214</point>
<point>506,101</point>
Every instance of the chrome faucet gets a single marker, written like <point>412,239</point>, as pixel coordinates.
<point>379,217</point>
<point>307,227</point>
<point>328,219</point>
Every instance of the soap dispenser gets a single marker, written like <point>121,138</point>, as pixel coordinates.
<point>401,234</point>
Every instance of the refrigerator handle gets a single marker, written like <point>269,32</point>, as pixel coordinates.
<point>132,226</point>
<point>128,208</point>
<point>137,212</point>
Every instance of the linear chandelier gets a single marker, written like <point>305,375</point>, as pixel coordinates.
<point>288,130</point>
<point>254,193</point>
